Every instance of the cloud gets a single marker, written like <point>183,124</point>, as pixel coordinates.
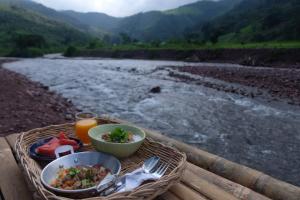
<point>114,7</point>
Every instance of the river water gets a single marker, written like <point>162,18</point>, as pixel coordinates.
<point>255,132</point>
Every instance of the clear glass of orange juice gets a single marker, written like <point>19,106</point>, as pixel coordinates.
<point>85,121</point>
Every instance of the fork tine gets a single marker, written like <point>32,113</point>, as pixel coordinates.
<point>162,168</point>
<point>165,169</point>
<point>159,168</point>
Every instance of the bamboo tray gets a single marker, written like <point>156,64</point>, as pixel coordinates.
<point>177,164</point>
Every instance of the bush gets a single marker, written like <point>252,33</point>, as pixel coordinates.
<point>71,51</point>
<point>26,53</point>
<point>95,44</point>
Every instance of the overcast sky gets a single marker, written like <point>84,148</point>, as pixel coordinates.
<point>114,7</point>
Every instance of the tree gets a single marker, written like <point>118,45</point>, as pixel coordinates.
<point>95,43</point>
<point>107,39</point>
<point>125,38</point>
<point>71,51</point>
<point>211,33</point>
<point>191,37</point>
<point>214,37</point>
<point>155,43</point>
<point>23,41</point>
<point>92,44</point>
<point>272,19</point>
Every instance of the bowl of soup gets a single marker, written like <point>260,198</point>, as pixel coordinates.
<point>120,140</point>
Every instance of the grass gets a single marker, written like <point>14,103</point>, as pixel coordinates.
<point>195,46</point>
<point>4,51</point>
<point>174,46</point>
<point>280,45</point>
<point>34,51</point>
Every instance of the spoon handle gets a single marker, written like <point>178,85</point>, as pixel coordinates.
<point>117,187</point>
<point>119,183</point>
<point>106,183</point>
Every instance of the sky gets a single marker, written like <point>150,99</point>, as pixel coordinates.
<point>118,8</point>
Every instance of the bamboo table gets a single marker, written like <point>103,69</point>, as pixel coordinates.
<point>197,183</point>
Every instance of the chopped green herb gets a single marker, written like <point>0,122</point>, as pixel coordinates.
<point>73,171</point>
<point>118,135</point>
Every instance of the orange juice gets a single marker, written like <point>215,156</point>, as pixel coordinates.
<point>82,127</point>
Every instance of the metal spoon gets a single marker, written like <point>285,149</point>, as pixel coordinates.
<point>106,183</point>
<point>150,164</point>
<point>147,167</point>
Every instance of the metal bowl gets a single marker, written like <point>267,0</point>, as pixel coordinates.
<point>49,173</point>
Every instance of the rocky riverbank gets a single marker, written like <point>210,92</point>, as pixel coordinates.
<point>283,84</point>
<point>26,104</point>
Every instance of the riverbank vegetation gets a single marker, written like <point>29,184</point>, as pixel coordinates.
<point>187,45</point>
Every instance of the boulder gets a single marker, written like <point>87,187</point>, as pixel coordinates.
<point>156,89</point>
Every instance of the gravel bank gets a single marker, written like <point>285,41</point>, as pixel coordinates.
<point>26,105</point>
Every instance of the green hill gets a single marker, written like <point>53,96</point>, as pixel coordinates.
<point>95,20</point>
<point>85,22</point>
<point>156,25</point>
<point>18,22</point>
<point>256,21</point>
<point>171,24</point>
<point>205,9</point>
<point>51,13</point>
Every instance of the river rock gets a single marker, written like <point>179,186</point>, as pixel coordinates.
<point>156,89</point>
<point>132,70</point>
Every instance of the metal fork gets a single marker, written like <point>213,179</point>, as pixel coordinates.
<point>161,170</point>
<point>147,167</point>
<point>158,172</point>
<point>150,164</point>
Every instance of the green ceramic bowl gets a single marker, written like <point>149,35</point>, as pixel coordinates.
<point>120,150</point>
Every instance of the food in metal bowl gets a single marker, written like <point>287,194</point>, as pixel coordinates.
<point>72,161</point>
<point>79,177</point>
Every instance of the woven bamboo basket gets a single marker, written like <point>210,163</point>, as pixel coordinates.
<point>177,164</point>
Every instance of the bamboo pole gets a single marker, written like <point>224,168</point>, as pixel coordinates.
<point>168,196</point>
<point>204,187</point>
<point>184,192</point>
<point>235,189</point>
<point>253,179</point>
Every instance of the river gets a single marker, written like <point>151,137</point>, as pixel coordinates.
<point>259,133</point>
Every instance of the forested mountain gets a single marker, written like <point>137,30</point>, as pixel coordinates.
<point>156,25</point>
<point>17,24</point>
<point>23,22</point>
<point>97,21</point>
<point>50,13</point>
<point>148,26</point>
<point>256,21</point>
<point>171,24</point>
